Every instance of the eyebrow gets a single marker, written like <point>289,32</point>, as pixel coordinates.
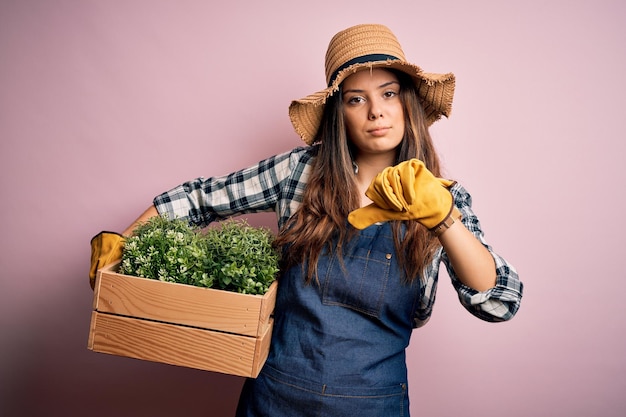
<point>387,84</point>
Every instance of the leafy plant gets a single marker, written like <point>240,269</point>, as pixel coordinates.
<point>234,256</point>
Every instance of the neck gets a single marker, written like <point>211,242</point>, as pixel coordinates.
<point>369,167</point>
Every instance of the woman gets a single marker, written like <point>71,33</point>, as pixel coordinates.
<point>364,223</point>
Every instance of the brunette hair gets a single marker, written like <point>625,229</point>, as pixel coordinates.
<point>331,192</point>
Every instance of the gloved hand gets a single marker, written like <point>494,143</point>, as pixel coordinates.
<point>407,191</point>
<point>106,247</point>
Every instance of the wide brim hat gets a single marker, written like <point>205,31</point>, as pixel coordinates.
<point>369,46</point>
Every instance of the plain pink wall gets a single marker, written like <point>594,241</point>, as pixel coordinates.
<point>105,104</point>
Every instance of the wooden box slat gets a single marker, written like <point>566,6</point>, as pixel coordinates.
<point>183,304</point>
<point>179,345</point>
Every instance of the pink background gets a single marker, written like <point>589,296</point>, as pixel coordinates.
<point>104,104</point>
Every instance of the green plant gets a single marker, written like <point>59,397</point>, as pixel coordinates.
<point>233,256</point>
<point>240,257</point>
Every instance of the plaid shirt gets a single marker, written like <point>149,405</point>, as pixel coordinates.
<point>277,184</point>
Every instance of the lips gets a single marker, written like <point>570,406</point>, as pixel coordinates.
<point>379,131</point>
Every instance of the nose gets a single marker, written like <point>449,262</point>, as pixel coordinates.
<point>375,110</point>
<point>375,115</point>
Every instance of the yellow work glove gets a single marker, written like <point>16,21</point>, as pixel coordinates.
<point>106,247</point>
<point>407,191</point>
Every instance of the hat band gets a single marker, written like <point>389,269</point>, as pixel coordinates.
<point>361,60</point>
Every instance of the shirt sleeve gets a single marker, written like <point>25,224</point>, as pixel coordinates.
<point>499,303</point>
<point>260,188</point>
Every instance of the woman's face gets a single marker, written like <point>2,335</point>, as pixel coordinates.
<point>373,111</point>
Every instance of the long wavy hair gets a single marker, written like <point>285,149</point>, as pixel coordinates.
<point>331,192</point>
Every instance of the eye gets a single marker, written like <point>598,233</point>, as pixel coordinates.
<point>355,100</point>
<point>390,93</point>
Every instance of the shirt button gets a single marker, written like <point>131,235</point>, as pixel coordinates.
<point>388,256</point>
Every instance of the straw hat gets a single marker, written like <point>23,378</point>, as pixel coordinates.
<point>369,46</point>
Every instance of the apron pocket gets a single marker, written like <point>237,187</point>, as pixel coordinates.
<point>370,402</point>
<point>359,283</point>
<point>277,394</point>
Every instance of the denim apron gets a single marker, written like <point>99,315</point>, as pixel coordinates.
<point>338,345</point>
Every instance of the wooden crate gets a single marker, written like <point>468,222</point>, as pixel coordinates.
<point>183,325</point>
